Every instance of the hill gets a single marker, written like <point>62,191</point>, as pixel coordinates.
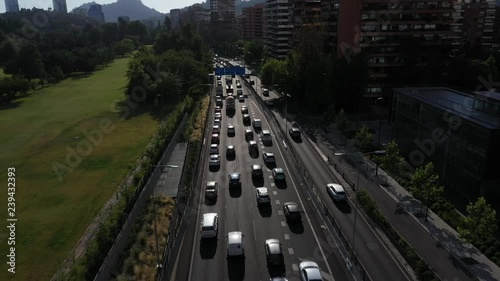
<point>134,9</point>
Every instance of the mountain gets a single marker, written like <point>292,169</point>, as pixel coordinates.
<point>131,8</point>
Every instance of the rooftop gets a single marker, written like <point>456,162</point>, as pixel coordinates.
<point>457,102</point>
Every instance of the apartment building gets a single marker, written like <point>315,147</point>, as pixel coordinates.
<point>252,22</point>
<point>95,12</point>
<point>278,28</point>
<point>478,23</point>
<point>60,6</point>
<point>306,18</point>
<point>222,11</point>
<point>329,21</point>
<point>459,132</point>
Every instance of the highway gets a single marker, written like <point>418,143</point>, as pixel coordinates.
<point>371,250</point>
<point>238,211</point>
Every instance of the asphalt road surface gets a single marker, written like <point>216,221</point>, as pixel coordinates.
<point>238,211</point>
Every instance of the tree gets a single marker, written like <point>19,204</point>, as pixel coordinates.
<point>167,23</point>
<point>29,62</point>
<point>363,140</point>
<point>391,161</point>
<point>123,47</point>
<point>480,223</point>
<point>341,121</point>
<point>424,186</point>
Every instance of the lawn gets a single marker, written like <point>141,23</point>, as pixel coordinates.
<point>37,133</point>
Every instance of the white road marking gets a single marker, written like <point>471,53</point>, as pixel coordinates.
<point>277,202</point>
<point>283,223</point>
<point>270,176</point>
<point>275,192</point>
<point>272,184</point>
<point>280,212</point>
<point>287,237</point>
<point>290,251</point>
<point>295,267</point>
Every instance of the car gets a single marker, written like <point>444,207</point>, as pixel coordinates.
<point>309,271</point>
<point>239,92</point>
<point>269,102</point>
<point>235,245</point>
<point>234,179</point>
<point>246,118</point>
<point>247,76</point>
<point>268,157</point>
<point>218,101</point>
<point>219,77</point>
<point>215,129</point>
<point>336,191</point>
<point>231,130</point>
<point>233,75</point>
<point>253,147</point>
<point>248,134</point>
<point>241,98</point>
<point>209,225</point>
<point>217,121</point>
<point>274,252</point>
<point>257,171</point>
<point>252,82</point>
<point>238,84</point>
<point>214,160</point>
<point>278,174</point>
<point>211,189</point>
<point>215,138</point>
<point>217,109</point>
<point>257,123</point>
<point>266,136</point>
<point>230,151</point>
<point>294,132</point>
<point>214,148</point>
<point>218,115</point>
<point>265,92</point>
<point>292,212</point>
<point>219,83</point>
<point>244,109</point>
<point>278,279</point>
<point>262,195</point>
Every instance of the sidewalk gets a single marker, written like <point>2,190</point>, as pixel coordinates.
<point>435,241</point>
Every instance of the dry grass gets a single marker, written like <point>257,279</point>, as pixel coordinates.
<point>200,121</point>
<point>141,261</point>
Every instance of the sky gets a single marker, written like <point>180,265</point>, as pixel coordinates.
<point>163,6</point>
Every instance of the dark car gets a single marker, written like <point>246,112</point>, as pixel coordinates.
<point>253,148</point>
<point>274,252</point>
<point>294,132</point>
<point>246,118</point>
<point>291,211</point>
<point>234,179</point>
<point>248,134</point>
<point>257,171</point>
<point>230,151</point>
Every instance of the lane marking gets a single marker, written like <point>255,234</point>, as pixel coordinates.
<point>277,202</point>
<point>275,192</point>
<point>295,267</point>
<point>283,223</point>
<point>270,176</point>
<point>290,251</point>
<point>287,236</point>
<point>272,184</point>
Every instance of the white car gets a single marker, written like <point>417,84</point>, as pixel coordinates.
<point>209,225</point>
<point>218,115</point>
<point>309,271</point>
<point>214,160</point>
<point>336,191</point>
<point>217,122</point>
<point>211,189</point>
<point>214,148</point>
<point>215,129</point>
<point>262,195</point>
<point>235,245</point>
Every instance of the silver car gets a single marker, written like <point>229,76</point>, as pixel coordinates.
<point>214,160</point>
<point>309,271</point>
<point>211,189</point>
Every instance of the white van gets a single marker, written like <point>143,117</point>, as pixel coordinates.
<point>209,225</point>
<point>235,244</point>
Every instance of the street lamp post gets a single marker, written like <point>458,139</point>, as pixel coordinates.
<point>286,116</point>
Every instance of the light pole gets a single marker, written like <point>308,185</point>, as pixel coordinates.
<point>286,115</point>
<point>377,152</point>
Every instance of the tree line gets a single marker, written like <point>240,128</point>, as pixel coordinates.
<point>60,48</point>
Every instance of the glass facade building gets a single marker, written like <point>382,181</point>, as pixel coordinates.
<point>458,132</point>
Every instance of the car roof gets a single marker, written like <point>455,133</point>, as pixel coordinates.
<point>252,142</point>
<point>214,145</point>
<point>214,155</point>
<point>295,129</point>
<point>268,153</point>
<point>312,270</point>
<point>274,246</point>
<point>211,183</point>
<point>209,215</point>
<point>256,166</point>
<point>278,170</point>
<point>213,135</point>
<point>234,175</point>
<point>230,125</point>
<point>263,190</point>
<point>234,237</point>
<point>230,147</point>
<point>292,206</point>
<point>266,132</point>
<point>336,187</point>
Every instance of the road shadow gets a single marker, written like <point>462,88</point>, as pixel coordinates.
<point>296,227</point>
<point>254,153</point>
<point>208,248</point>
<point>344,207</point>
<point>210,202</point>
<point>297,140</point>
<point>258,182</point>
<point>265,210</point>
<point>214,169</point>
<point>246,123</point>
<point>268,144</point>
<point>235,192</point>
<point>257,130</point>
<point>270,165</point>
<point>281,184</point>
<point>276,270</point>
<point>236,268</point>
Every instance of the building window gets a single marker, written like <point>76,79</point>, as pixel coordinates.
<point>384,27</point>
<point>417,26</point>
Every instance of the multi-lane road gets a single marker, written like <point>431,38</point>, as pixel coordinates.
<point>205,259</point>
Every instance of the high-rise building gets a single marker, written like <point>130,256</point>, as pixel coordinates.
<point>329,21</point>
<point>252,22</point>
<point>11,6</point>
<point>202,16</point>
<point>278,28</point>
<point>459,132</point>
<point>306,18</point>
<point>60,6</point>
<point>222,11</point>
<point>175,15</point>
<point>478,24</point>
<point>95,12</point>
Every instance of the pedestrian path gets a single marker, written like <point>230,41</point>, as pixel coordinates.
<point>447,254</point>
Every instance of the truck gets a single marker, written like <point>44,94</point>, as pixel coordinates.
<point>230,104</point>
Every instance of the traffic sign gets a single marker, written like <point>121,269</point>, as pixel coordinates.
<point>236,70</point>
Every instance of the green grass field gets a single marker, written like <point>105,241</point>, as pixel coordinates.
<point>37,132</point>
